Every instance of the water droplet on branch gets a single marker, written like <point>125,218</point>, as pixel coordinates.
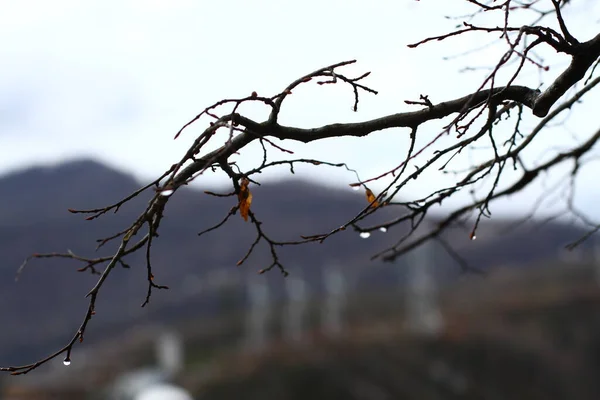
<point>383,229</point>
<point>67,361</point>
<point>166,192</point>
<point>365,235</point>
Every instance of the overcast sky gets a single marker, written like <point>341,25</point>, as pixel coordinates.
<point>115,79</point>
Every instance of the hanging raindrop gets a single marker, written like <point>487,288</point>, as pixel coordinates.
<point>67,361</point>
<point>383,229</point>
<point>356,188</point>
<point>473,237</point>
<point>365,235</point>
<point>166,192</point>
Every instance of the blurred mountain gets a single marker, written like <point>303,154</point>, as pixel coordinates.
<point>42,310</point>
<point>41,194</point>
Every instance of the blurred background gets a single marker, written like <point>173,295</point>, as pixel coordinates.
<point>91,95</point>
<point>339,326</point>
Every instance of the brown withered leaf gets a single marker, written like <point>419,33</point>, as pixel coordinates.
<point>371,198</point>
<point>244,198</point>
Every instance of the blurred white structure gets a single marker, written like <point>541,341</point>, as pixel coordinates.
<point>150,381</point>
<point>169,353</point>
<point>257,318</point>
<point>334,282</point>
<point>163,392</point>
<point>295,310</point>
<point>423,313</point>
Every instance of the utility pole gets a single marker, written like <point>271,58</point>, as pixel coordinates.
<point>423,313</point>
<point>295,310</point>
<point>169,352</point>
<point>335,298</point>
<point>257,319</point>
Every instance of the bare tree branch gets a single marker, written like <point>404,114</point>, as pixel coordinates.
<point>491,115</point>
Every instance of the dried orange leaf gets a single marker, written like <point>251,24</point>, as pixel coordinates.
<point>244,198</point>
<point>371,199</point>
